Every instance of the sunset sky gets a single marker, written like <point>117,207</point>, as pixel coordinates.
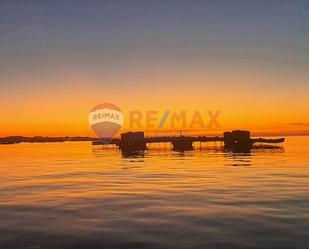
<point>248,59</point>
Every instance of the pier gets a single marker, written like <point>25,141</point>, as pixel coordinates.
<point>237,141</point>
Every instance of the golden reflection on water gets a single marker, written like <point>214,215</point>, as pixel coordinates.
<point>90,196</point>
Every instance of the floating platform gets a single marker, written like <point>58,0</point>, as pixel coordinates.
<point>237,141</point>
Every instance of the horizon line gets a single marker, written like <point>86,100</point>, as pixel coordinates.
<point>254,134</point>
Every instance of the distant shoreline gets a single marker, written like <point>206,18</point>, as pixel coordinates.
<point>46,139</point>
<point>41,139</point>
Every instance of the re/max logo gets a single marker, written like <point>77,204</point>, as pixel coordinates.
<point>181,119</point>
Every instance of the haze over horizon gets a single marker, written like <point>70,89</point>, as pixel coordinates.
<point>248,59</point>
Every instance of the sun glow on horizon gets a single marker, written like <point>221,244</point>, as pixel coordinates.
<point>210,57</point>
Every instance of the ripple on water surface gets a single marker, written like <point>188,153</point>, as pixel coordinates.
<point>70,195</point>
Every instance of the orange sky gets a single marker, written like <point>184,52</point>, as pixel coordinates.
<point>58,111</point>
<point>249,62</point>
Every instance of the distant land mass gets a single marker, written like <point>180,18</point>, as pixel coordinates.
<point>41,139</point>
<point>47,139</point>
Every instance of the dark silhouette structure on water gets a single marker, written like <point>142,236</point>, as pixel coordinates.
<point>131,141</point>
<point>237,141</point>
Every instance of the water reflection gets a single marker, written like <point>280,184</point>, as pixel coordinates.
<point>233,158</point>
<point>236,158</point>
<point>133,154</point>
<point>73,195</point>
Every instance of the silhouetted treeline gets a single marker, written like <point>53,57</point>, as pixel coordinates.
<point>39,139</point>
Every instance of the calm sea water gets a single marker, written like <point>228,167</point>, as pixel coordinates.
<point>73,195</point>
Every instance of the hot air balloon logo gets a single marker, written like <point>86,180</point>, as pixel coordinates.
<point>105,120</point>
